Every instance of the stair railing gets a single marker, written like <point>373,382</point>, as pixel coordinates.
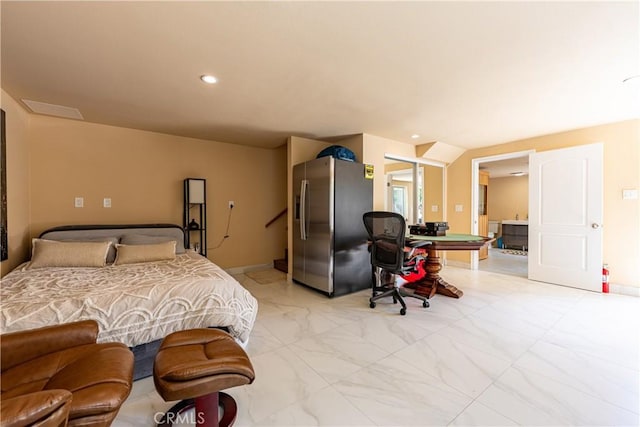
<point>275,218</point>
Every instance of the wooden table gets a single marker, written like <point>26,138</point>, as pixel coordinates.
<point>432,283</point>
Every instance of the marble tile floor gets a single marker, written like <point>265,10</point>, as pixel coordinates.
<point>509,352</point>
<point>500,262</point>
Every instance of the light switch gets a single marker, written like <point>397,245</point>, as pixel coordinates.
<point>458,208</point>
<point>630,194</point>
<point>106,202</point>
<point>79,202</point>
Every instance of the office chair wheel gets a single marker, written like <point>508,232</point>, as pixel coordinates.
<point>425,304</point>
<point>372,304</point>
<point>403,311</point>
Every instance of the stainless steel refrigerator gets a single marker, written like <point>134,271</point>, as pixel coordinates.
<point>329,239</point>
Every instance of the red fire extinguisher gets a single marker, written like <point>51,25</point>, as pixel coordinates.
<point>605,278</point>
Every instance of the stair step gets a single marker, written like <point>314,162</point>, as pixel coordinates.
<point>281,264</point>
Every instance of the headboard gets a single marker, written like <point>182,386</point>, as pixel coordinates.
<point>79,232</point>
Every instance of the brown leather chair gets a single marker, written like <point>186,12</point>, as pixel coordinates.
<point>59,373</point>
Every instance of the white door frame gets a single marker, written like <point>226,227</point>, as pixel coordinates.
<point>475,180</point>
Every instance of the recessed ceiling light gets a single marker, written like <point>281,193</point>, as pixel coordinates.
<point>207,78</point>
<point>517,173</point>
<point>637,76</point>
<point>415,136</point>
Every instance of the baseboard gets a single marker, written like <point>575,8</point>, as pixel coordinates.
<point>459,264</point>
<point>248,268</point>
<point>624,290</point>
<point>613,288</point>
<point>281,264</point>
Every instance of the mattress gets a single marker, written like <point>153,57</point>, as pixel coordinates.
<point>133,303</point>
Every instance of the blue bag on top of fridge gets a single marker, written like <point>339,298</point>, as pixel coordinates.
<point>338,152</point>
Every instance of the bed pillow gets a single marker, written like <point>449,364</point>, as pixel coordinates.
<point>130,254</point>
<point>111,255</point>
<point>51,253</point>
<point>144,239</point>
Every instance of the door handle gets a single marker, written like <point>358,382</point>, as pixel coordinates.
<point>303,213</point>
<point>595,225</point>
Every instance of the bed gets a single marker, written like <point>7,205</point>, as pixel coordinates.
<point>146,287</point>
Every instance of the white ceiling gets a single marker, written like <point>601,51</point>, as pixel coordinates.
<point>504,168</point>
<point>507,167</point>
<point>469,74</point>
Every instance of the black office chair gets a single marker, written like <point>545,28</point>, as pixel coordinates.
<point>390,256</point>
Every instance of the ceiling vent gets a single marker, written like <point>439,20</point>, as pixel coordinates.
<point>53,110</point>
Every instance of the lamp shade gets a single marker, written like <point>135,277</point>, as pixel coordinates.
<point>196,190</point>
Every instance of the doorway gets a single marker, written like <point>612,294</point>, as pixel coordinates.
<point>501,203</point>
<point>415,189</point>
<point>564,231</point>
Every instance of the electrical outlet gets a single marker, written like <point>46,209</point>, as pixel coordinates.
<point>106,202</point>
<point>231,204</point>
<point>79,202</point>
<point>458,208</point>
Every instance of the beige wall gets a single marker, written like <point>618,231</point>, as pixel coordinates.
<point>508,197</point>
<point>374,149</point>
<point>142,172</point>
<point>18,198</point>
<point>353,143</point>
<point>50,161</point>
<point>433,193</point>
<point>621,217</point>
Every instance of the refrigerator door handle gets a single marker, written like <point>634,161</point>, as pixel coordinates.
<point>303,209</point>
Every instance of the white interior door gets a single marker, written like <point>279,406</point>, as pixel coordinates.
<point>565,217</point>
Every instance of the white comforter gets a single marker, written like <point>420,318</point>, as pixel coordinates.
<point>133,304</point>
